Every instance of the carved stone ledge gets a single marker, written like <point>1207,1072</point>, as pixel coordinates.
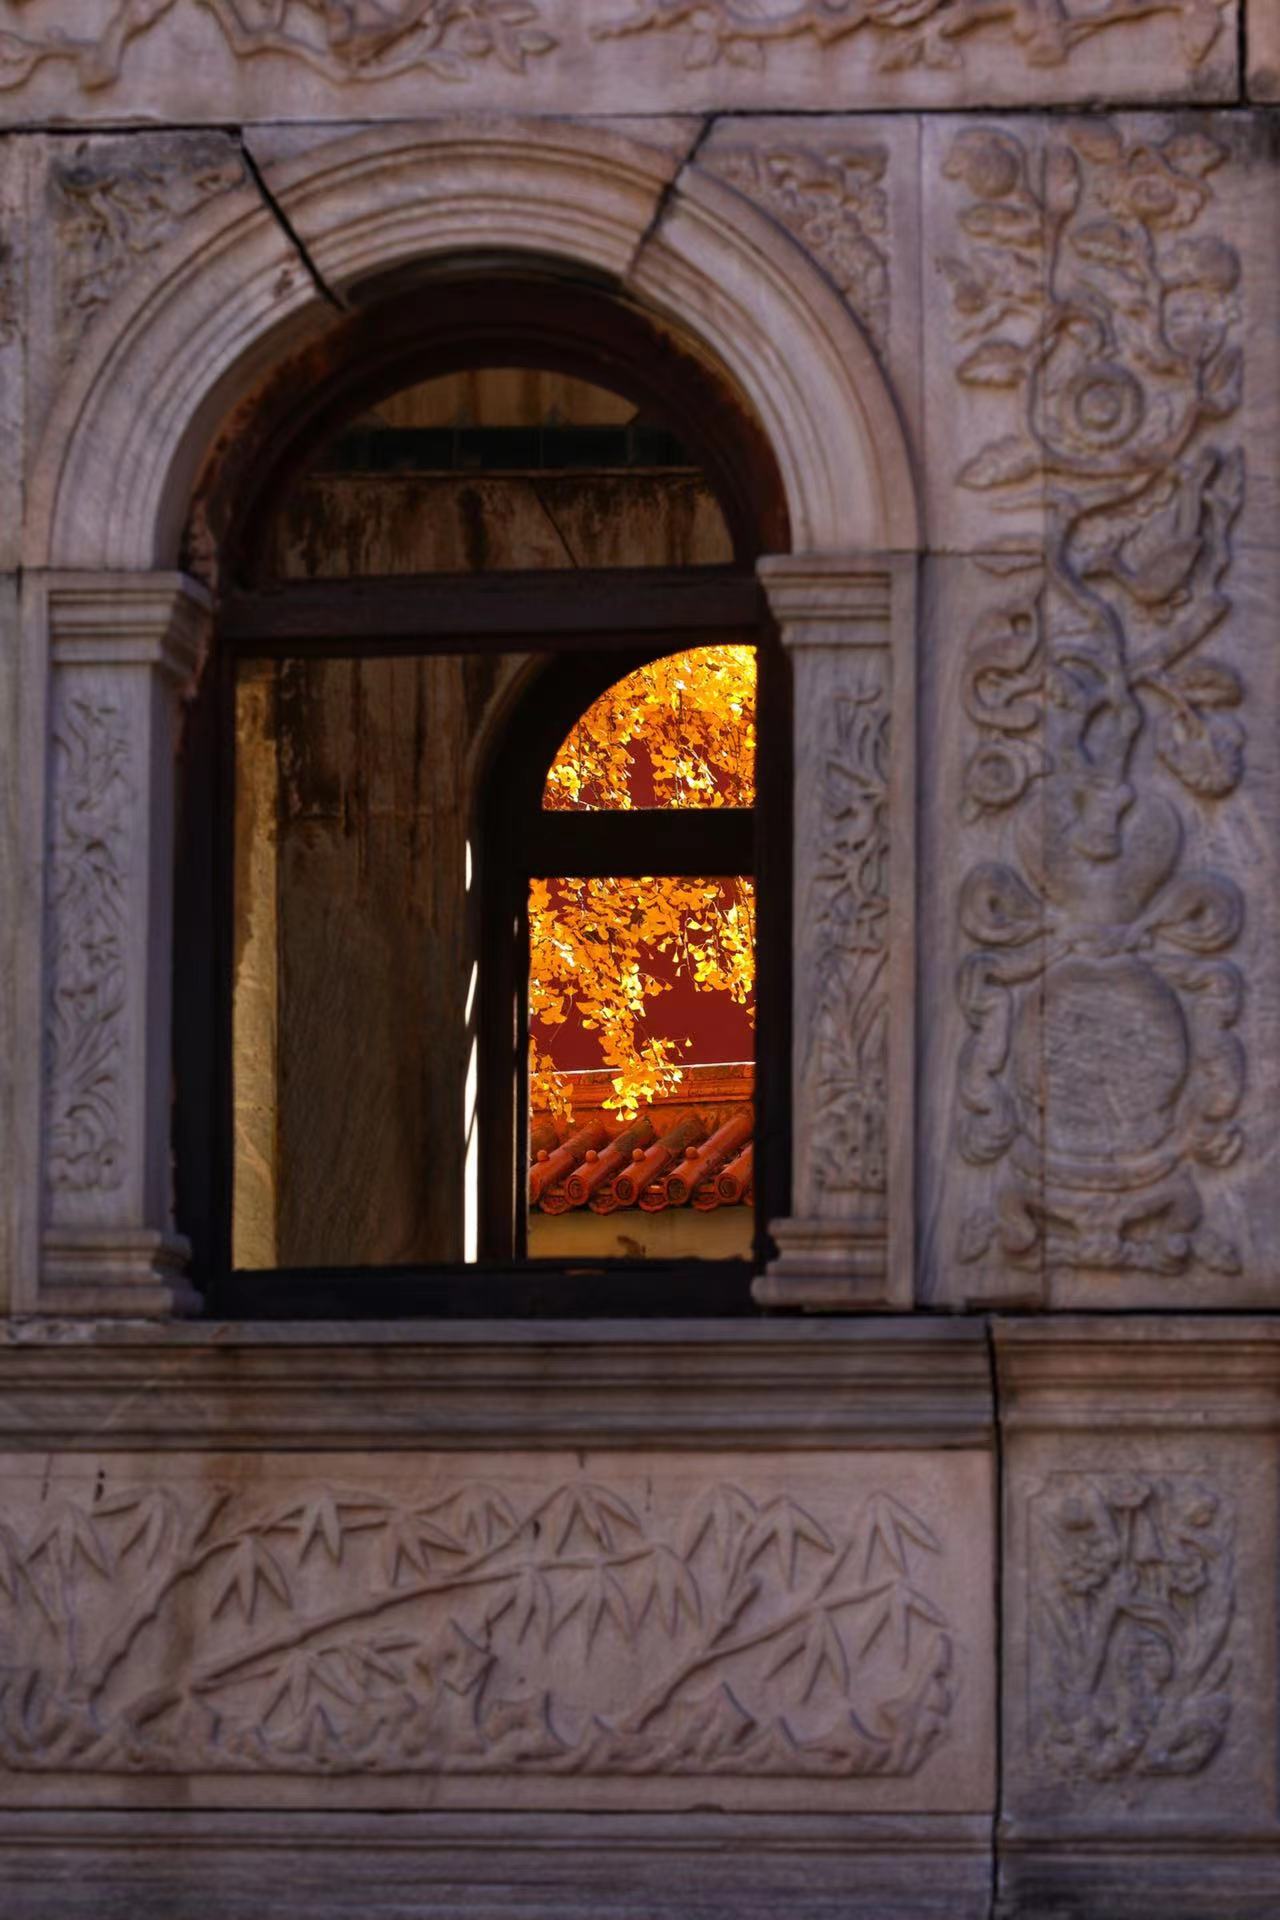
<point>460,1866</point>
<point>893,1382</point>
<point>818,598</point>
<point>1130,1372</point>
<point>1179,1877</point>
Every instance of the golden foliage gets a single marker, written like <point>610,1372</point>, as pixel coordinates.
<point>608,947</point>
<point>680,732</point>
<point>688,722</point>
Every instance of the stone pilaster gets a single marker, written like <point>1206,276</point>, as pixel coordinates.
<point>833,612</point>
<point>122,646</point>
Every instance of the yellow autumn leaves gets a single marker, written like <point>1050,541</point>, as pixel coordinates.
<point>685,725</point>
<point>679,732</point>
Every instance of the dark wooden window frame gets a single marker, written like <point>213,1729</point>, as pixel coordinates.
<point>590,628</point>
<point>400,329</point>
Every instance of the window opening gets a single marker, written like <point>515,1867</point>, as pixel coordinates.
<point>439,798</point>
<point>498,470</point>
<point>642,989</point>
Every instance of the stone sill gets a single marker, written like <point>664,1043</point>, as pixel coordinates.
<point>1199,1372</point>
<point>783,1383</point>
<point>879,1382</point>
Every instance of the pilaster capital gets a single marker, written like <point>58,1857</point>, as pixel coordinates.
<point>828,599</point>
<point>157,620</point>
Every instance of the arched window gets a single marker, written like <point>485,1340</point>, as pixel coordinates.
<point>494,886</point>
<point>642,958</point>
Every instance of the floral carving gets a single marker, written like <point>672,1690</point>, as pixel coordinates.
<point>907,33</point>
<point>113,211</point>
<point>450,40</point>
<point>835,205</point>
<point>339,1630</point>
<point>1133,1597</point>
<point>341,39</point>
<point>93,802</point>
<point>850,1019</point>
<point>1101,1071</point>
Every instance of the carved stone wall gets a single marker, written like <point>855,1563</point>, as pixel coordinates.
<point>747,1622</point>
<point>1111,992</point>
<point>686,1617</point>
<point>92,845</point>
<point>297,58</point>
<point>1095,705</point>
<point>647,1631</point>
<point>114,202</point>
<point>1140,1567</point>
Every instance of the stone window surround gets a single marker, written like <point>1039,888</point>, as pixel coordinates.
<point>112,642</point>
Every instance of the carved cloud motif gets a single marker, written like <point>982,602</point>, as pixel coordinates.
<point>343,1631</point>
<point>1101,1070</point>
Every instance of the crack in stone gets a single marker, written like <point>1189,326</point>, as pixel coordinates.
<point>289,230</point>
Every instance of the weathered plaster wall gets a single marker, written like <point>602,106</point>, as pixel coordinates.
<point>964,1609</point>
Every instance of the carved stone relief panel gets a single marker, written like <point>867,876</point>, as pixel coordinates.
<point>15,1060</point>
<point>121,647</point>
<point>846,188</point>
<point>931,36</point>
<point>973,278</point>
<point>834,1247</point>
<point>530,1631</point>
<point>14,243</point>
<point>846,993</point>
<point>1134,1595</point>
<point>202,60</point>
<point>830,195</point>
<point>1098,953</point>
<point>113,202</point>
<point>92,848</point>
<point>1139,1618</point>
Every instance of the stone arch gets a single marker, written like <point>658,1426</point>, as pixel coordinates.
<point>229,296</point>
<point>216,312</point>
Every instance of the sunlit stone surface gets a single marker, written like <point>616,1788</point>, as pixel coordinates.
<point>938,1579</point>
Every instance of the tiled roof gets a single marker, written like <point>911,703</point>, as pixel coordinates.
<point>693,1150</point>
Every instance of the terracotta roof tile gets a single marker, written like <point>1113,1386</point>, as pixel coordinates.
<point>694,1149</point>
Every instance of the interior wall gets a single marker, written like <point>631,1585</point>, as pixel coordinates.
<point>356,955</point>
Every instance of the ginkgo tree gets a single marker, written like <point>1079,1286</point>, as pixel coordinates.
<point>677,732</point>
